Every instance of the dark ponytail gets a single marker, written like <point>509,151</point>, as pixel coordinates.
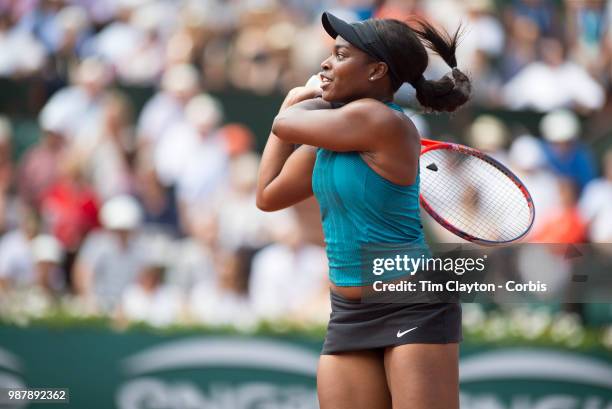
<point>452,90</point>
<point>406,45</point>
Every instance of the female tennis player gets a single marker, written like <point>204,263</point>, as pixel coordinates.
<point>358,154</point>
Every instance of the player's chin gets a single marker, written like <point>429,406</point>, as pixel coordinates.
<point>331,96</point>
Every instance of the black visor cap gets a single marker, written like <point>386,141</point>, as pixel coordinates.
<point>336,27</point>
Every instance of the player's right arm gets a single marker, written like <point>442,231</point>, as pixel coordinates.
<point>285,172</point>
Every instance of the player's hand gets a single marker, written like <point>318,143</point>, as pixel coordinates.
<point>299,94</point>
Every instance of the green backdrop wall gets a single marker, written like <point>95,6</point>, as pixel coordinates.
<point>147,370</point>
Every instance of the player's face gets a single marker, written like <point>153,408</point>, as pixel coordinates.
<point>344,74</point>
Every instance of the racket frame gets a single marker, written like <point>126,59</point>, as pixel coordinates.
<point>430,145</point>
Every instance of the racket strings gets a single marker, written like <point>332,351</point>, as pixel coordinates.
<point>474,196</point>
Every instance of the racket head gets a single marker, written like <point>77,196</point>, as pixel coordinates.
<point>440,198</point>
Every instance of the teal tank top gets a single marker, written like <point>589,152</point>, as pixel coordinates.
<point>360,208</point>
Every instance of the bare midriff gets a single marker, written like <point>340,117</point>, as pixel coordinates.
<point>351,293</point>
<point>357,292</point>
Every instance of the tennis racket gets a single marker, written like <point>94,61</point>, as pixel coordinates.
<point>473,195</point>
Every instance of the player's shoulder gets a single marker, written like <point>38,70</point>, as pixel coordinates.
<point>376,111</point>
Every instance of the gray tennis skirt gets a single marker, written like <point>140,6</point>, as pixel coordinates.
<point>354,325</point>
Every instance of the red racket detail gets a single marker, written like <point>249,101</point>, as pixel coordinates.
<point>472,195</point>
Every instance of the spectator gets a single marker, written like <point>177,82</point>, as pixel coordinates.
<point>520,50</point>
<point>192,155</point>
<point>39,169</point>
<point>599,230</point>
<point>540,12</point>
<point>20,52</point>
<point>178,85</point>
<point>238,139</point>
<point>48,254</point>
<point>41,20</point>
<point>596,203</point>
<point>398,9</point>
<point>149,298</point>
<point>487,90</point>
<point>562,224</point>
<point>143,64</point>
<point>287,274</point>
<point>565,154</point>
<point>110,259</point>
<point>240,222</point>
<point>78,107</point>
<point>74,29</point>
<point>42,292</point>
<point>306,55</point>
<point>526,158</point>
<point>254,65</point>
<point>119,39</point>
<point>586,26</point>
<point>74,26</point>
<point>226,300</point>
<point>489,135</point>
<point>15,10</point>
<point>194,262</point>
<point>16,260</point>
<point>69,208</point>
<point>107,151</point>
<point>553,82</point>
<point>6,171</point>
<point>101,12</point>
<point>159,203</point>
<point>447,13</point>
<point>485,34</point>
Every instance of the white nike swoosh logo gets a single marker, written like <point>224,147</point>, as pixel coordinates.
<point>401,334</point>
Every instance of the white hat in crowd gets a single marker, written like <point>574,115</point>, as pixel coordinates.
<point>182,78</point>
<point>526,153</point>
<point>243,169</point>
<point>93,70</point>
<point>487,133</point>
<point>46,248</point>
<point>121,213</point>
<point>72,18</point>
<point>55,118</point>
<point>149,17</point>
<point>560,126</point>
<point>204,112</point>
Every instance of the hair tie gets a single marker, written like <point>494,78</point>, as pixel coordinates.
<point>456,75</point>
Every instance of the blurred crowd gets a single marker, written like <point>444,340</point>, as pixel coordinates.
<point>526,54</point>
<point>151,215</point>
